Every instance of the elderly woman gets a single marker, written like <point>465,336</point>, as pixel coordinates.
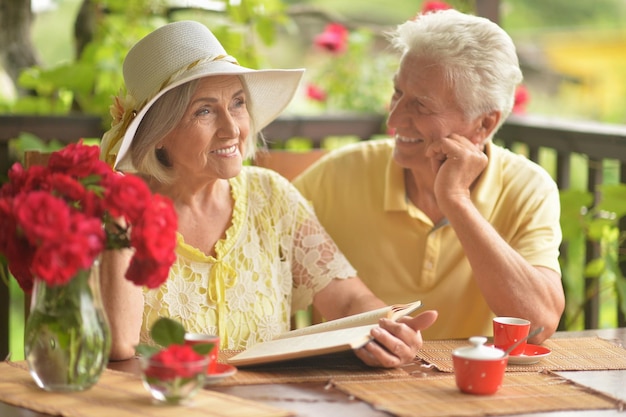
<point>250,250</point>
<point>474,228</point>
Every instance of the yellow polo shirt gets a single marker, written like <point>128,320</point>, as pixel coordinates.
<point>359,196</point>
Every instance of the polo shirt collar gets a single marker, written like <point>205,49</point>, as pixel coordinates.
<point>484,195</point>
<point>395,194</point>
<point>487,189</point>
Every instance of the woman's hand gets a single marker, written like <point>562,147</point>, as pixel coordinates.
<point>396,342</point>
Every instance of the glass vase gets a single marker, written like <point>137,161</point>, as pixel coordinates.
<point>67,337</point>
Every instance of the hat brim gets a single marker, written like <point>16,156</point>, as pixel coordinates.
<point>269,93</point>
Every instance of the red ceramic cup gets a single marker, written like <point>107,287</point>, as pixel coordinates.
<point>196,338</point>
<point>479,369</point>
<point>507,331</point>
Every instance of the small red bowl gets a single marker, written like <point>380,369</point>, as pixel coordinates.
<point>479,369</point>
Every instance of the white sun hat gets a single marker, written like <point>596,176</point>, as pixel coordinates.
<point>173,55</point>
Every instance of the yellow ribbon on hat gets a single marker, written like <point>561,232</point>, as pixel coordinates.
<point>123,110</point>
<point>221,277</point>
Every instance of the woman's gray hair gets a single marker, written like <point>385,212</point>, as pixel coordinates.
<point>159,121</point>
<point>477,56</point>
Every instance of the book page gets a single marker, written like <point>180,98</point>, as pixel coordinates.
<point>361,319</point>
<point>304,346</point>
<point>393,312</point>
<point>401,310</point>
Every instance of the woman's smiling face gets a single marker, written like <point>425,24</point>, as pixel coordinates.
<point>209,140</point>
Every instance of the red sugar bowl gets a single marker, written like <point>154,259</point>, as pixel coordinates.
<point>479,369</point>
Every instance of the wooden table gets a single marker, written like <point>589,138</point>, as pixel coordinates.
<point>312,399</point>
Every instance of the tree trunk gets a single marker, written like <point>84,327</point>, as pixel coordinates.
<point>16,48</point>
<point>85,25</point>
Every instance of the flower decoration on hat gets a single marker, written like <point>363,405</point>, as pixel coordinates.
<point>122,112</point>
<point>57,219</point>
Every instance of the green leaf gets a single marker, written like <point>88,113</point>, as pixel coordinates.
<point>574,212</point>
<point>595,268</point>
<point>598,229</point>
<point>166,331</point>
<point>613,198</point>
<point>146,350</point>
<point>203,348</point>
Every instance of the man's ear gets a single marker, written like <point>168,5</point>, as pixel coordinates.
<point>486,125</point>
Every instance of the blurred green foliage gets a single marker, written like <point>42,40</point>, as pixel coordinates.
<point>87,83</point>
<point>582,220</point>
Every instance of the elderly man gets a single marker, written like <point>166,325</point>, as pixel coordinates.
<point>439,212</point>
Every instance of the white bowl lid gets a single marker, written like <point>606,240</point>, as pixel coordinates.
<point>478,350</point>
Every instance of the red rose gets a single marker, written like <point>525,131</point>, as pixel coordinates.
<point>433,6</point>
<point>66,187</point>
<point>41,216</point>
<point>175,361</point>
<point>77,159</point>
<point>147,272</point>
<point>155,234</point>
<point>25,181</point>
<point>17,177</point>
<point>154,240</point>
<point>7,224</point>
<point>522,96</point>
<point>57,263</point>
<point>127,196</point>
<point>56,219</point>
<point>315,93</point>
<point>333,39</point>
<point>89,234</point>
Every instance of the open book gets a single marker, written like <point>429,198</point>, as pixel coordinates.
<point>333,336</point>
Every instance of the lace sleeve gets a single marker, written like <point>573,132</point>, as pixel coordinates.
<point>316,258</point>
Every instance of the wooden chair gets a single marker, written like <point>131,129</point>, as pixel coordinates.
<point>288,163</point>
<point>34,158</point>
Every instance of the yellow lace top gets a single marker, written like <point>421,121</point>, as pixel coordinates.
<point>274,258</point>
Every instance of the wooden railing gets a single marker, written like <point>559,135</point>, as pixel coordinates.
<point>596,141</point>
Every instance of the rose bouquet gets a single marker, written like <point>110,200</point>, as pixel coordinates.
<point>55,220</point>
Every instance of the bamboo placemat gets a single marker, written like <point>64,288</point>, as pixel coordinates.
<point>579,354</point>
<point>438,396</point>
<point>336,367</point>
<point>121,395</point>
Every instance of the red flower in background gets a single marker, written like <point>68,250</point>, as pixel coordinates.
<point>315,93</point>
<point>333,39</point>
<point>56,220</point>
<point>522,96</point>
<point>433,6</point>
